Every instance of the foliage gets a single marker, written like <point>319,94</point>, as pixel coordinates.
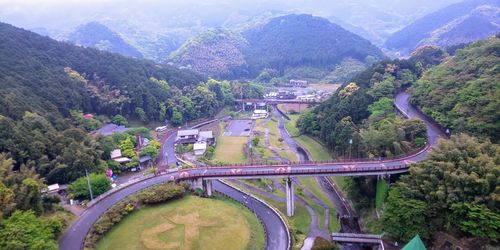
<point>79,189</point>
<point>404,217</point>
<point>476,220</point>
<point>255,141</point>
<point>120,120</point>
<point>153,195</point>
<point>153,149</point>
<point>161,193</point>
<point>458,187</point>
<point>464,92</point>
<point>23,230</point>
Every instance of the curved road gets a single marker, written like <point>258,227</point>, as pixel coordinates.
<point>312,168</point>
<point>276,230</point>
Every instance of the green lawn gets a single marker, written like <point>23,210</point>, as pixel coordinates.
<point>317,151</point>
<point>381,195</point>
<point>291,125</point>
<point>188,223</point>
<point>230,149</point>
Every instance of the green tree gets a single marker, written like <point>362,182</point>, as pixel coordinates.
<point>476,220</point>
<point>153,149</point>
<point>120,120</point>
<point>79,189</point>
<point>29,196</point>
<point>141,114</point>
<point>255,141</point>
<point>7,203</point>
<point>127,147</point>
<point>23,230</point>
<point>403,217</point>
<point>177,118</point>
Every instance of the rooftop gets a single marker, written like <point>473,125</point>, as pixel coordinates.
<point>188,132</point>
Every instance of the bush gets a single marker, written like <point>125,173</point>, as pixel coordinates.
<point>161,193</point>
<point>152,195</point>
<point>79,189</point>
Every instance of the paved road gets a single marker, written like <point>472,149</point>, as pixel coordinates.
<point>344,168</point>
<point>277,234</point>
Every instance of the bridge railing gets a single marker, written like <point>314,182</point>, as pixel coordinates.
<point>336,161</point>
<point>190,174</point>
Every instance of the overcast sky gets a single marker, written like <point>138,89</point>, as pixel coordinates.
<point>67,13</point>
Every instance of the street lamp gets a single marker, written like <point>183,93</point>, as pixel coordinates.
<point>350,145</point>
<point>90,187</point>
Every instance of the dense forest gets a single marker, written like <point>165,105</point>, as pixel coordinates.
<point>362,110</point>
<point>463,93</point>
<point>98,36</point>
<point>462,22</point>
<point>456,189</point>
<point>302,46</point>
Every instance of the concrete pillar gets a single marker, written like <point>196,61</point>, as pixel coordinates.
<point>207,187</point>
<point>255,106</point>
<point>290,204</point>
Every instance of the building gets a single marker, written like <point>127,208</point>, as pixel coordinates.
<point>88,116</point>
<point>145,161</point>
<point>298,83</point>
<point>187,136</point>
<point>307,98</point>
<point>116,155</point>
<point>285,95</point>
<point>206,136</point>
<point>199,148</point>
<point>259,114</point>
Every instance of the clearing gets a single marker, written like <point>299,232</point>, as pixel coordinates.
<point>188,223</point>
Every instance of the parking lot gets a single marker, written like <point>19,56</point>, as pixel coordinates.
<point>238,128</point>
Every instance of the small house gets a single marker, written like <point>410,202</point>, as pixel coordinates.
<point>116,155</point>
<point>199,148</point>
<point>206,136</point>
<point>187,136</point>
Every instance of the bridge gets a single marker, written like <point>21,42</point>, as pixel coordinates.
<point>370,239</point>
<point>355,167</point>
<point>278,101</point>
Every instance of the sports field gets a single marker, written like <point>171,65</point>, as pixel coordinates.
<point>188,223</point>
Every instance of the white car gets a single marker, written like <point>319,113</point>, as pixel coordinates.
<point>161,129</point>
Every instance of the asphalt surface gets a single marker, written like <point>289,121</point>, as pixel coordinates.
<point>307,168</point>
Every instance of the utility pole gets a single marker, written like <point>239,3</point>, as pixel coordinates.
<point>90,187</point>
<point>350,145</point>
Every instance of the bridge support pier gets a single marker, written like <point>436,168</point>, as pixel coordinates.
<point>207,187</point>
<point>290,204</point>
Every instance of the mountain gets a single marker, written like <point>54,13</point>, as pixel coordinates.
<point>283,44</point>
<point>463,93</point>
<point>41,75</point>
<point>463,22</point>
<point>214,52</point>
<point>98,36</point>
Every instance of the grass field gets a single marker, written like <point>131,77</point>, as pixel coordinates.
<point>230,149</point>
<point>188,223</point>
<point>381,195</point>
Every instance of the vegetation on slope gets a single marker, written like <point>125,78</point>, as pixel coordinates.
<point>458,23</point>
<point>463,93</point>
<point>98,36</point>
<point>455,189</point>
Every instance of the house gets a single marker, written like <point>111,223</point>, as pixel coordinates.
<point>206,136</point>
<point>307,98</point>
<point>88,116</point>
<point>259,114</point>
<point>285,95</point>
<point>187,136</point>
<point>298,83</point>
<point>199,147</point>
<point>145,161</point>
<point>116,155</point>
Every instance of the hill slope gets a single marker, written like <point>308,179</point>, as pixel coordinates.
<point>98,36</point>
<point>41,75</point>
<point>282,44</point>
<point>464,92</point>
<point>463,22</point>
<point>214,52</point>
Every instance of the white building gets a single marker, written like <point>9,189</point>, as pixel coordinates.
<point>187,136</point>
<point>116,155</point>
<point>199,147</point>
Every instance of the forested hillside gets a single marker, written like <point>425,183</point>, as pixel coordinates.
<point>463,93</point>
<point>98,36</point>
<point>215,52</point>
<point>463,22</point>
<point>45,85</point>
<point>362,110</point>
<point>288,45</point>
